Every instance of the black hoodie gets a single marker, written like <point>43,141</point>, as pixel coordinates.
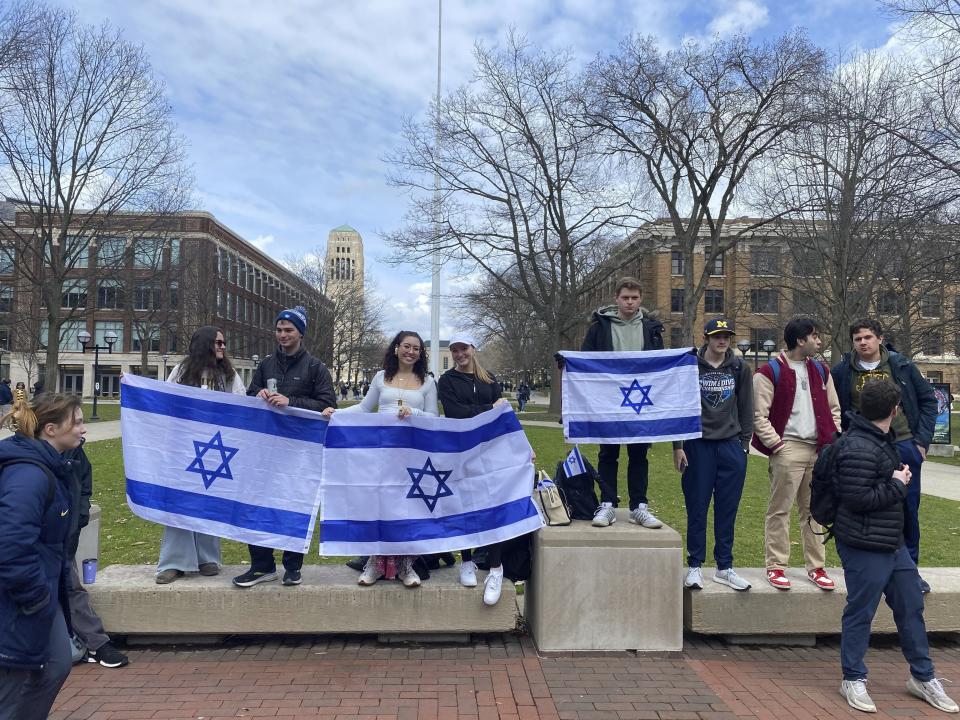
<point>464,396</point>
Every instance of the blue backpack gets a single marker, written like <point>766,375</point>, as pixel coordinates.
<point>774,366</point>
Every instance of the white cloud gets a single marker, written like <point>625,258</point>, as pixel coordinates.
<point>740,16</point>
<point>261,241</point>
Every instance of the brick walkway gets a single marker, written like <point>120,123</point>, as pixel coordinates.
<point>496,677</point>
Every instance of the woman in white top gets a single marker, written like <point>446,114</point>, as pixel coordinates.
<point>207,367</point>
<point>402,387</point>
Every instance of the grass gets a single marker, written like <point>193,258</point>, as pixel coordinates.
<point>105,411</point>
<point>126,539</point>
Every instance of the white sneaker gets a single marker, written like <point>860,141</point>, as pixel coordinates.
<point>643,517</point>
<point>694,578</point>
<point>468,573</point>
<point>407,575</point>
<point>605,515</point>
<point>371,572</point>
<point>932,692</point>
<point>492,587</point>
<point>855,693</point>
<point>730,578</point>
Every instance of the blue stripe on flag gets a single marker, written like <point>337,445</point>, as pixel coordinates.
<point>217,509</point>
<point>628,366</point>
<point>634,428</point>
<point>434,441</point>
<point>267,422</point>
<point>448,526</point>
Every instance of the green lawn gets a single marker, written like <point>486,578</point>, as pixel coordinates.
<point>105,411</point>
<point>124,538</point>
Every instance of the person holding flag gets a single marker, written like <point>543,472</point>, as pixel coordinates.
<point>715,465</point>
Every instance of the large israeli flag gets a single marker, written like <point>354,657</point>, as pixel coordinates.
<point>221,464</point>
<point>630,397</point>
<point>424,484</point>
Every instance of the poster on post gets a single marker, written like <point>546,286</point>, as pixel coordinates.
<point>941,427</point>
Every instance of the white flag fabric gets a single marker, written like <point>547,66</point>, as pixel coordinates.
<point>424,484</point>
<point>221,464</point>
<point>630,397</point>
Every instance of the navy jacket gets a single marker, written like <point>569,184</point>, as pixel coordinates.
<point>33,536</point>
<point>917,398</point>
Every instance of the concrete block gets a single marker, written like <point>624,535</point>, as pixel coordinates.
<point>605,589</point>
<point>942,450</point>
<point>329,601</point>
<point>805,609</point>
<point>89,546</point>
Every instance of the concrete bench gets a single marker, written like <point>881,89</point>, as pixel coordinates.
<point>329,601</point>
<point>804,611</point>
<point>603,589</point>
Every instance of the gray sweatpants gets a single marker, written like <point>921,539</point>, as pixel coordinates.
<point>29,694</point>
<point>86,623</point>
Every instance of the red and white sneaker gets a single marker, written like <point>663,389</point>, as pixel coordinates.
<point>778,578</point>
<point>820,578</point>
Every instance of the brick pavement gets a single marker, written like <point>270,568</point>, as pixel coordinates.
<point>492,677</point>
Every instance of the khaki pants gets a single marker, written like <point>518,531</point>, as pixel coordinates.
<point>791,471</point>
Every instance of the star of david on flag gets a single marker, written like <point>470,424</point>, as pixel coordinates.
<point>630,397</point>
<point>222,470</point>
<point>440,476</point>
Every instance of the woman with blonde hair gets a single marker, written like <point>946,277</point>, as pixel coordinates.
<point>37,511</point>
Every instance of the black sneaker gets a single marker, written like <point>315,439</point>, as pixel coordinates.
<point>924,586</point>
<point>108,656</point>
<point>357,563</point>
<point>292,577</point>
<point>254,577</point>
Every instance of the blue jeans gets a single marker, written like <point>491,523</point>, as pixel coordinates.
<point>716,469</point>
<point>868,576</point>
<point>910,455</point>
<point>29,694</point>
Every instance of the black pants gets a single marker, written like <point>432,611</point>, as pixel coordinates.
<point>638,473</point>
<point>29,694</point>
<point>494,554</point>
<point>261,559</point>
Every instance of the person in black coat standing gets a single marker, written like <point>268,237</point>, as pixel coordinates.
<point>871,483</point>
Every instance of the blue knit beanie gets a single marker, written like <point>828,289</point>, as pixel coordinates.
<point>297,315</point>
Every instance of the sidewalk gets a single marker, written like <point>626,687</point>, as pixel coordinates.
<point>494,677</point>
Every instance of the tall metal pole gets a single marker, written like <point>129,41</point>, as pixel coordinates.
<point>435,283</point>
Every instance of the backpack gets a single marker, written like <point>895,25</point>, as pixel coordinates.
<point>51,478</point>
<point>578,492</point>
<point>823,487</point>
<point>775,369</point>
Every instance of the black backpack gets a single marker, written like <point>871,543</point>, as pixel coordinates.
<point>824,497</point>
<point>578,491</point>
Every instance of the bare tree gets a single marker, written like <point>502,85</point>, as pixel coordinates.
<point>86,137</point>
<point>694,121</point>
<point>520,182</point>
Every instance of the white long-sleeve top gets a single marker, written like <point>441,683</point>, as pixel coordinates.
<point>236,387</point>
<point>385,399</point>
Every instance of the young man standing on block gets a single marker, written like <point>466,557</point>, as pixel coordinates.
<point>870,484</point>
<point>715,465</point>
<point>796,413</point>
<point>624,326</point>
<point>913,426</point>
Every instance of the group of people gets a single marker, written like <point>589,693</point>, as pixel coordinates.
<point>791,409</point>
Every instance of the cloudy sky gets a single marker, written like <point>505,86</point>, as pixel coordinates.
<point>288,107</point>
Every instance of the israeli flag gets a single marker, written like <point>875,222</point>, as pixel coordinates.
<point>424,484</point>
<point>573,465</point>
<point>221,464</point>
<point>631,397</point>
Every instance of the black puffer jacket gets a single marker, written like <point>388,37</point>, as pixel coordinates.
<point>870,509</point>
<point>300,377</point>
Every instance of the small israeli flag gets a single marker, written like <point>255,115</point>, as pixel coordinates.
<point>573,465</point>
<point>221,464</point>
<point>631,397</point>
<point>424,484</point>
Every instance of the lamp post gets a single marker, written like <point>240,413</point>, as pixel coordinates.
<point>164,357</point>
<point>744,347</point>
<point>768,347</point>
<point>110,338</point>
<point>256,360</point>
<point>3,351</point>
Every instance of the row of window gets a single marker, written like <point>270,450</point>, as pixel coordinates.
<point>110,296</point>
<point>142,334</point>
<point>233,268</point>
<point>108,252</point>
<point>343,269</point>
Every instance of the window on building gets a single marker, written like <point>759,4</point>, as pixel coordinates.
<point>5,338</point>
<point>764,260</point>
<point>74,293</point>
<point>676,262</point>
<point>6,260</point>
<point>224,262</point>
<point>174,295</point>
<point>68,335</point>
<point>890,302</point>
<point>172,339</point>
<point>804,303</point>
<point>175,251</point>
<point>934,376</point>
<point>109,294</point>
<point>243,274</point>
<point>76,251</point>
<point>234,269</point>
<point>676,337</point>
<point>717,269</point>
<point>446,363</point>
<point>219,302</point>
<point>806,261</point>
<point>931,304</point>
<point>676,300</point>
<point>102,327</point>
<point>713,301</point>
<point>258,286</point>
<point>148,253</point>
<point>6,299</point>
<point>932,344</point>
<point>146,297</point>
<point>147,334</point>
<point>758,336</point>
<point>229,313</point>
<point>765,300</point>
<point>110,252</point>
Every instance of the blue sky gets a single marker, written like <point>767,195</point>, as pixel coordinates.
<point>289,107</point>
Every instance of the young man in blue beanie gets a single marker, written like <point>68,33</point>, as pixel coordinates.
<point>289,377</point>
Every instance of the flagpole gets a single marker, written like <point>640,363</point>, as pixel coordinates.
<point>435,280</point>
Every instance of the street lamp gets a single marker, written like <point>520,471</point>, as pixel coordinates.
<point>768,347</point>
<point>743,346</point>
<point>110,338</point>
<point>256,360</point>
<point>164,357</point>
